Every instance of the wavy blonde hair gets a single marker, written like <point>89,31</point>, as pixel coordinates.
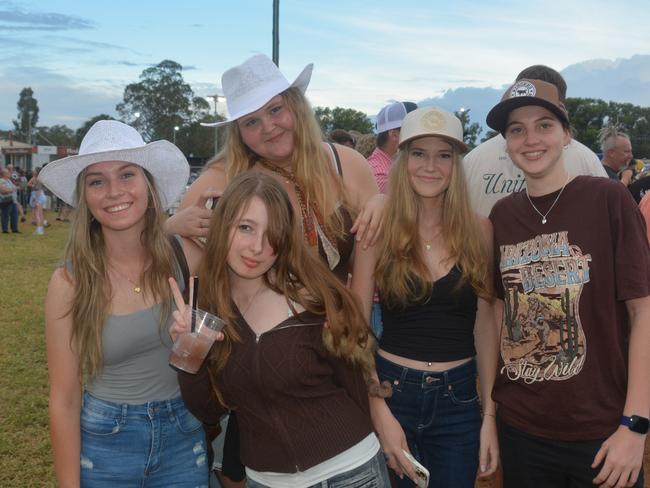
<point>297,274</point>
<point>402,274</point>
<point>311,163</point>
<point>85,254</point>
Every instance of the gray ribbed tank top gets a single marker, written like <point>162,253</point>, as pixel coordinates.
<point>136,358</point>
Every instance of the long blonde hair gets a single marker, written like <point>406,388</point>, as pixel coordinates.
<point>85,255</point>
<point>297,273</point>
<point>310,162</point>
<point>402,274</point>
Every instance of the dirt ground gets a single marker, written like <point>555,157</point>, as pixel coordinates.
<point>495,482</point>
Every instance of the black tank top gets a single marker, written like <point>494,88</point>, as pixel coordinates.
<point>345,244</point>
<point>439,329</point>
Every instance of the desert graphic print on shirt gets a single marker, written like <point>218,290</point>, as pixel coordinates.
<point>541,336</point>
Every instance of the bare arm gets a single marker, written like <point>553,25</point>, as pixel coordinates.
<point>192,218</point>
<point>193,255</point>
<point>361,188</point>
<point>363,277</point>
<point>622,453</point>
<point>65,385</point>
<point>391,436</point>
<point>486,342</point>
<point>626,176</point>
<point>486,331</point>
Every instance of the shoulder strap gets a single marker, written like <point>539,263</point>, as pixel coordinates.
<point>335,153</point>
<point>182,263</point>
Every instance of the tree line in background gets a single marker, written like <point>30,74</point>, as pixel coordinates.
<point>163,106</point>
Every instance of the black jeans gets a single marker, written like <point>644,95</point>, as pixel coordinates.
<point>9,213</point>
<point>534,462</point>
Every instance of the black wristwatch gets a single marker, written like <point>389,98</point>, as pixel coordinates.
<point>636,424</point>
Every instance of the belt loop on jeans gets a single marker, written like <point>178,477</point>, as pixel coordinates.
<point>125,410</point>
<point>170,408</point>
<point>399,383</point>
<point>445,379</point>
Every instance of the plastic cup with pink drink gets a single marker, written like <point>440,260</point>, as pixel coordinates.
<point>191,348</point>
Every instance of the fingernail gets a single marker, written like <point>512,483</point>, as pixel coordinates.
<point>482,468</point>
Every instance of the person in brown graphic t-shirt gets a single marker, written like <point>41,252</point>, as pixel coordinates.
<point>573,383</point>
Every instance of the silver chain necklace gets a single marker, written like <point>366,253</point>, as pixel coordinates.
<point>543,216</point>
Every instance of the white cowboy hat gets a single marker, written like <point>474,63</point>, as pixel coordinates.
<point>110,140</point>
<point>250,85</point>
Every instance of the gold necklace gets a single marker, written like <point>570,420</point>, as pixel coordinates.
<point>427,245</point>
<point>136,288</point>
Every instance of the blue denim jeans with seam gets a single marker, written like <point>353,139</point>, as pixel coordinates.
<point>155,444</point>
<point>441,418</point>
<point>375,320</point>
<point>371,474</point>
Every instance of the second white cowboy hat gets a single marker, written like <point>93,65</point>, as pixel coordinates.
<point>253,83</point>
<point>110,140</point>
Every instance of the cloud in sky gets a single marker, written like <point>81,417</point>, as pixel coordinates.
<point>364,53</point>
<point>12,19</point>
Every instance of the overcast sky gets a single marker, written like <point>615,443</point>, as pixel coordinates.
<point>78,56</point>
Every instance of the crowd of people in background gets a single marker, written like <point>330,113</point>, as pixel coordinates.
<point>366,282</point>
<point>23,197</point>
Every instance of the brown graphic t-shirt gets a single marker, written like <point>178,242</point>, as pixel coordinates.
<point>564,337</point>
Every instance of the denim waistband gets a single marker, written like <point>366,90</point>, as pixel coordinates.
<point>158,408</point>
<point>426,378</point>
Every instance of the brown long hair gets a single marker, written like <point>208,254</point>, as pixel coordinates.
<point>85,254</point>
<point>402,274</point>
<point>311,163</point>
<point>297,273</point>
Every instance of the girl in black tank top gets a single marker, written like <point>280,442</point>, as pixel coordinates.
<point>432,272</point>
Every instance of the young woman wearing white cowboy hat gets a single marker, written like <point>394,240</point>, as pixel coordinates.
<point>272,129</point>
<point>116,415</point>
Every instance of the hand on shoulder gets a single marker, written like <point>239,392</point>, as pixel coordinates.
<point>213,177</point>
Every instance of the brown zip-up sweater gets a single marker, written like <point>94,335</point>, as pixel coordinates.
<point>297,405</point>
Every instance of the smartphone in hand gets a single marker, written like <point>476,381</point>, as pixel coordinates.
<point>212,202</point>
<point>421,472</point>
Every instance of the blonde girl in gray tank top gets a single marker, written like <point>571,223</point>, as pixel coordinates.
<point>116,417</point>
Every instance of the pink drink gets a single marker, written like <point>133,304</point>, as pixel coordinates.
<point>190,349</point>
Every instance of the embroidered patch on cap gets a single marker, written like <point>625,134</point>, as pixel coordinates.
<point>522,89</point>
<point>433,121</point>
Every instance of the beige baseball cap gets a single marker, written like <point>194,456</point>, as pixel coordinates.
<point>432,121</point>
<point>522,93</point>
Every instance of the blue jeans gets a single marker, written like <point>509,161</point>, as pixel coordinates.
<point>440,415</point>
<point>371,474</point>
<point>375,320</point>
<point>156,444</point>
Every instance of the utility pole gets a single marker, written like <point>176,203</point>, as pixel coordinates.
<point>276,32</point>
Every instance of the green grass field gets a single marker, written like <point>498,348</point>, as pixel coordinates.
<point>26,263</point>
